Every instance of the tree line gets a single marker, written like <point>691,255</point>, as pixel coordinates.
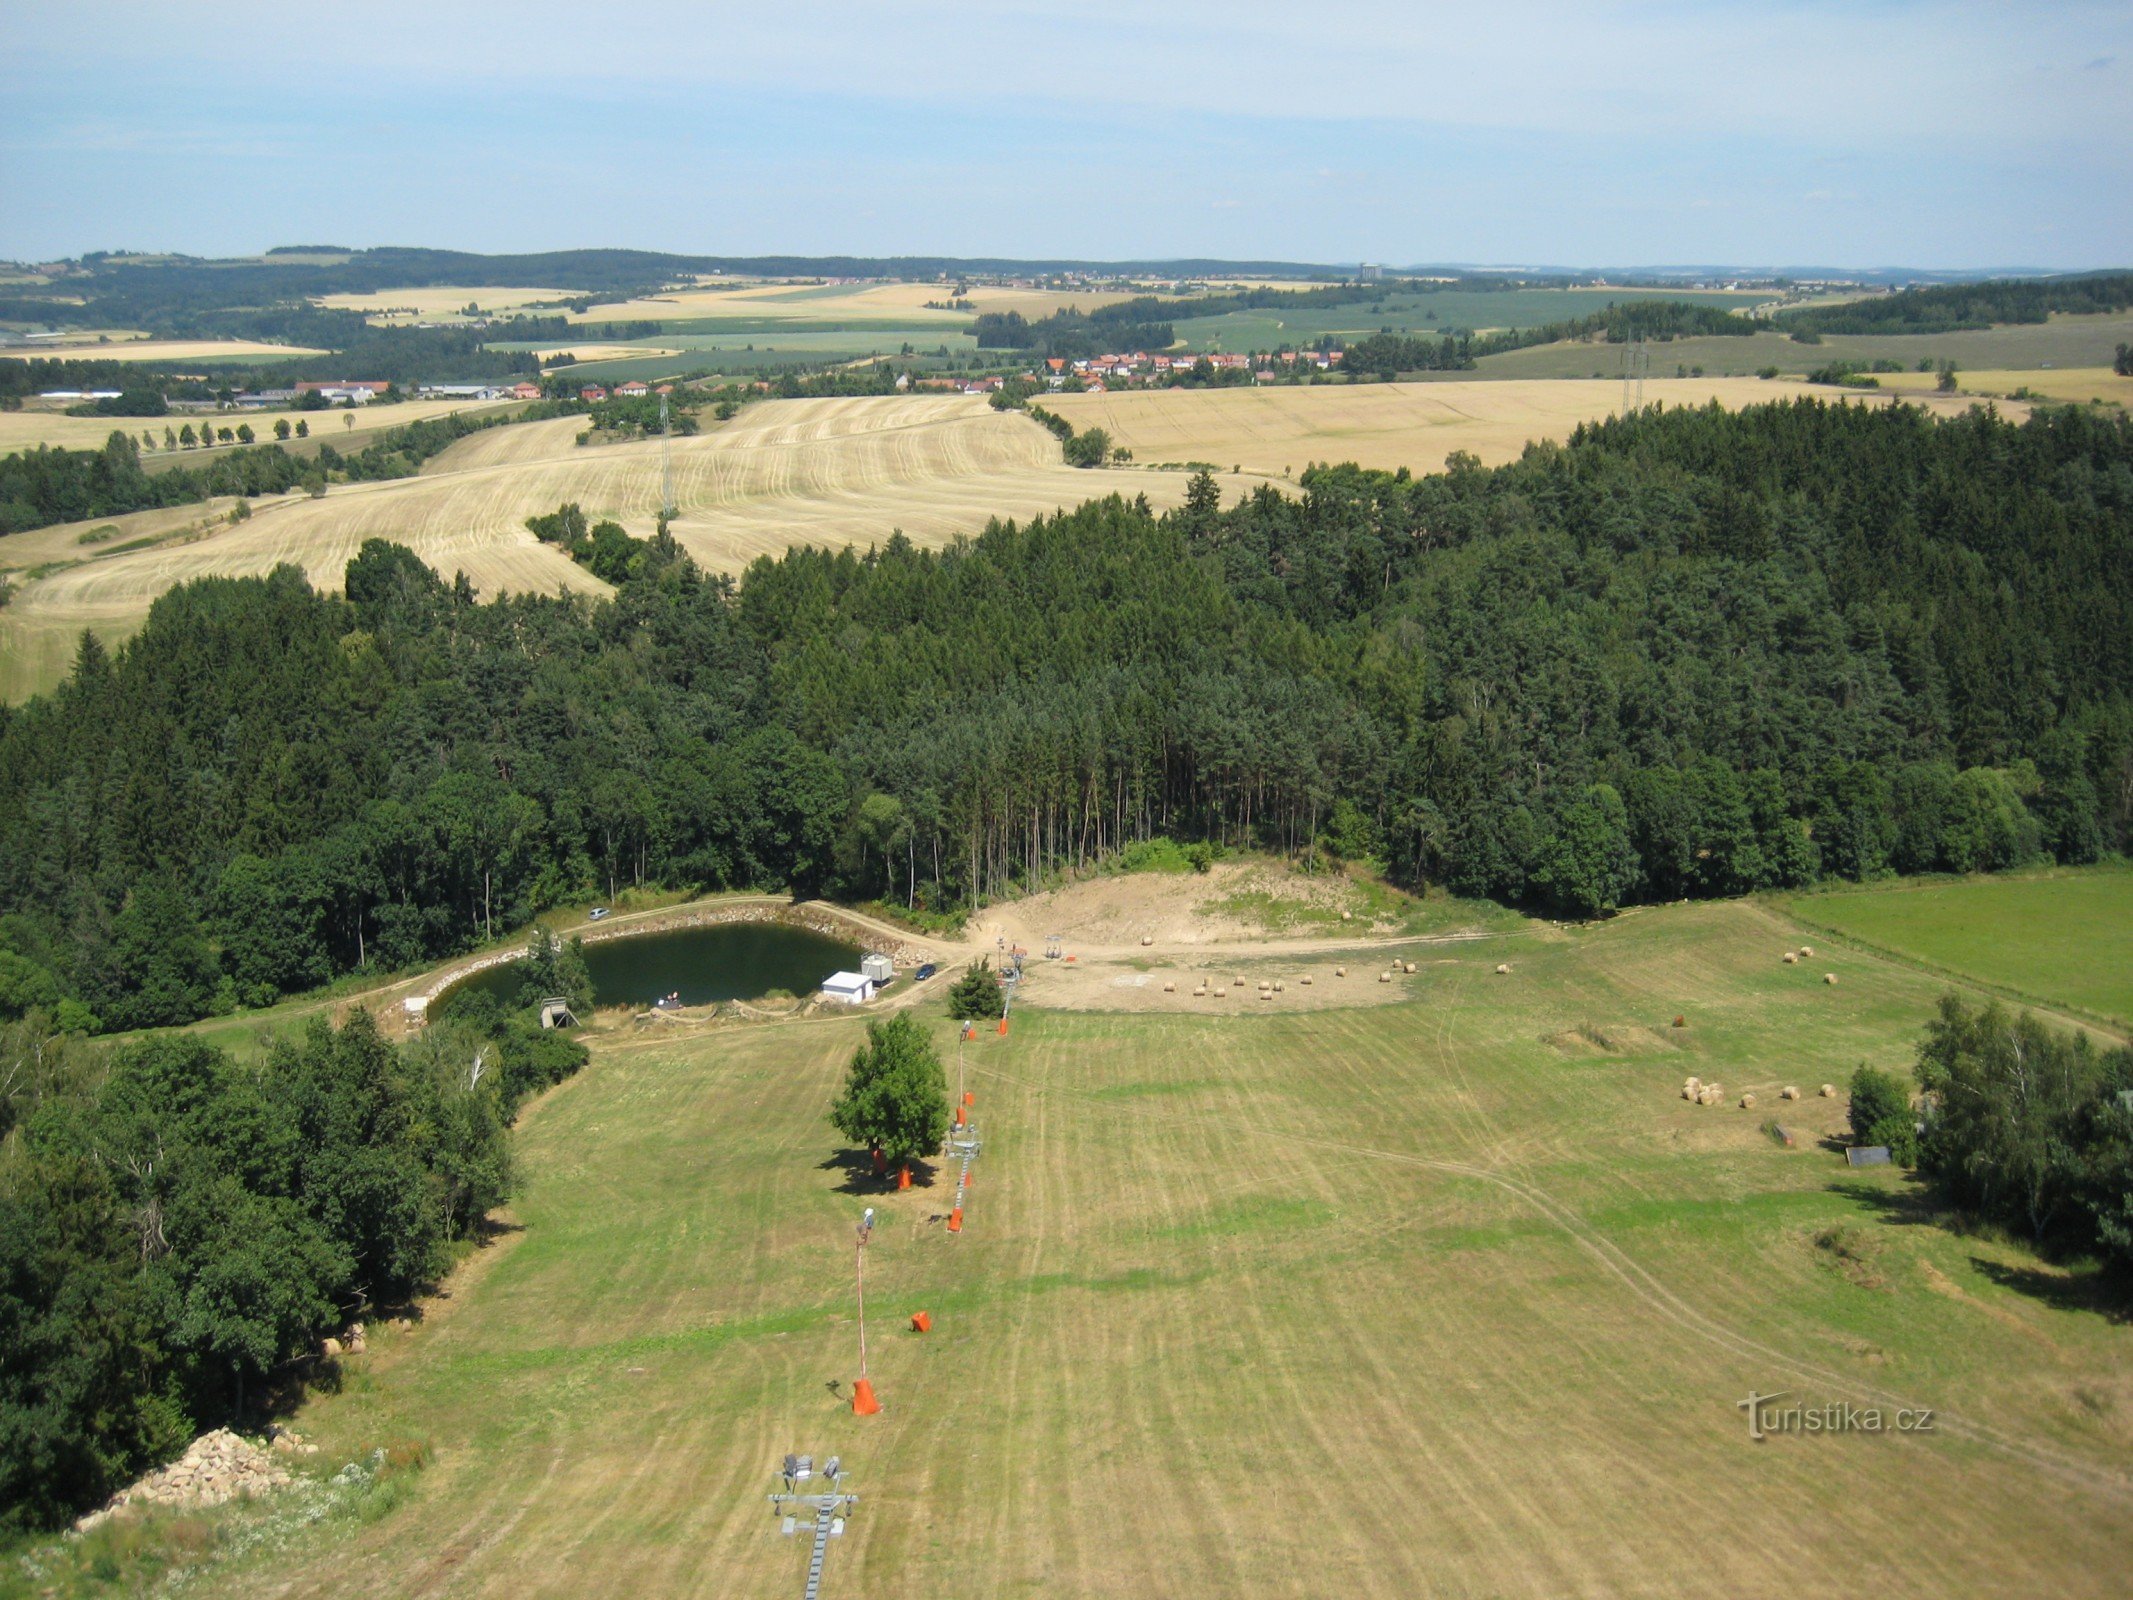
<point>179,1228</point>
<point>1950,307</point>
<point>1126,325</point>
<point>1689,652</point>
<point>2020,1125</point>
<point>47,485</point>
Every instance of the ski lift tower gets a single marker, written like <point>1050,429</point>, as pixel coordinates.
<point>830,1507</point>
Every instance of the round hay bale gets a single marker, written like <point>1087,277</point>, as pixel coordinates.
<point>1200,993</point>
<point>1266,994</point>
<point>1829,1091</point>
<point>329,1347</point>
<point>1791,960</point>
<point>1147,938</point>
<point>1747,1102</point>
<point>1264,985</point>
<point>1788,1093</point>
<point>1384,977</point>
<point>1236,983</point>
<point>1687,1093</point>
<point>1692,1083</point>
<point>1340,972</point>
<point>1503,969</point>
<point>1170,988</point>
<point>1829,977</point>
<point>1346,914</point>
<point>1807,949</point>
<point>1278,988</point>
<point>1307,980</point>
<point>1410,966</point>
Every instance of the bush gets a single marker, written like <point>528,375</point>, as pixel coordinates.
<point>1881,1114</point>
<point>977,996</point>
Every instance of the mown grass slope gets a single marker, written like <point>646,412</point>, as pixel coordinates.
<point>1454,1296</point>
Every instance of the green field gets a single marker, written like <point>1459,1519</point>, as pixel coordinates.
<point>2059,938</point>
<point>1438,311</point>
<point>1451,1295</point>
<point>2061,342</point>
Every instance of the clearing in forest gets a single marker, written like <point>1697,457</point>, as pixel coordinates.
<point>1377,1300</point>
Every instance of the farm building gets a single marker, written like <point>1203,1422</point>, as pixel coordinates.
<point>852,988</point>
<point>355,391</point>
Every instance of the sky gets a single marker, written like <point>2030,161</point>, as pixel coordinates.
<point>1849,133</point>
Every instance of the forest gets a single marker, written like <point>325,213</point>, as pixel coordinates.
<point>1948,308</point>
<point>1687,653</point>
<point>179,1229</point>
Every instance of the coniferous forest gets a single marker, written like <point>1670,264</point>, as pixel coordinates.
<point>1689,653</point>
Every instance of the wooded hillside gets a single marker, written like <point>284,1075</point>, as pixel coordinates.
<point>1690,653</point>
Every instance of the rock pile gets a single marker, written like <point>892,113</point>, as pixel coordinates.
<point>216,1468</point>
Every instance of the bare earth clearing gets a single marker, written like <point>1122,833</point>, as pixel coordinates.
<point>1452,1294</point>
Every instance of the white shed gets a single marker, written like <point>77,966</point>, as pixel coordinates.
<point>877,966</point>
<point>853,988</point>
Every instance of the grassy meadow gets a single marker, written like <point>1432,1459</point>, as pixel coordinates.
<point>2086,341</point>
<point>2061,938</point>
<point>1453,1295</point>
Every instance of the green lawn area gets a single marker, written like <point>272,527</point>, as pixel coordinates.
<point>2061,938</point>
<point>1450,1295</point>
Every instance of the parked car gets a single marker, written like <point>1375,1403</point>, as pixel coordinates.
<point>926,971</point>
<point>596,913</point>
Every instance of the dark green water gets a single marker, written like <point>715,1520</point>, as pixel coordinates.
<point>726,961</point>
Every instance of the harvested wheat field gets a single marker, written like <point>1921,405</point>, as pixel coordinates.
<point>1416,425</point>
<point>439,302</point>
<point>135,347</point>
<point>901,304</point>
<point>783,473</point>
<point>25,430</point>
<point>1388,1300</point>
<point>2076,385</point>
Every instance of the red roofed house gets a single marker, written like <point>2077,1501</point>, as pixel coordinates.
<point>592,391</point>
<point>525,391</point>
<point>633,388</point>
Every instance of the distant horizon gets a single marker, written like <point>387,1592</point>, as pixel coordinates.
<point>1066,261</point>
<point>1688,131</point>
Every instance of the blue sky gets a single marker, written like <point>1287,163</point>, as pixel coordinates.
<point>1864,133</point>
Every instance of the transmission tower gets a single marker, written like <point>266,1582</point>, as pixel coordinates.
<point>1636,366</point>
<point>666,464</point>
<point>829,1507</point>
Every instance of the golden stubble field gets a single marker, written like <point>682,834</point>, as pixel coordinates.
<point>1449,1295</point>
<point>125,346</point>
<point>782,473</point>
<point>26,429</point>
<point>1282,429</point>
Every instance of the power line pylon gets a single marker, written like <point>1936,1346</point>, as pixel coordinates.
<point>666,464</point>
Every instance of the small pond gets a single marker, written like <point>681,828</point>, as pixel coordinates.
<point>724,961</point>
